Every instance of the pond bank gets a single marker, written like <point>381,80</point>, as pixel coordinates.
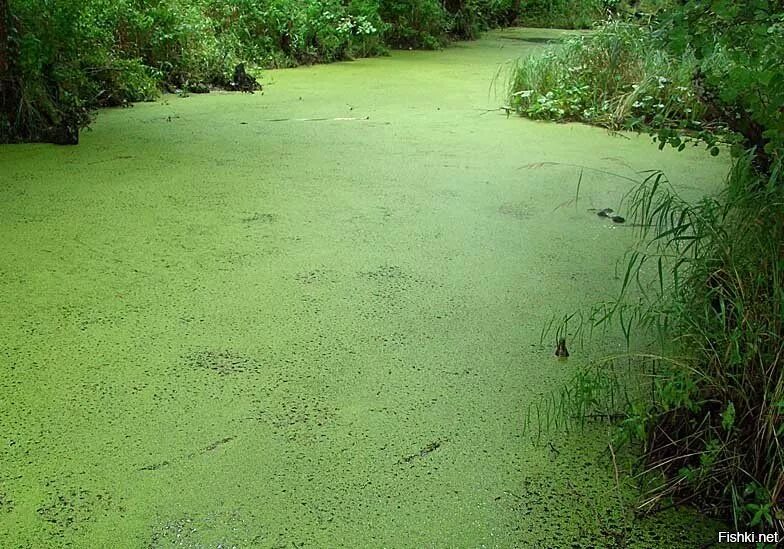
<point>312,317</point>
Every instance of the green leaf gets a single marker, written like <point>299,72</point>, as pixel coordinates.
<point>728,417</point>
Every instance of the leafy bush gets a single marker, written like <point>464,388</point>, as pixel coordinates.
<point>739,46</point>
<point>44,84</point>
<point>467,18</point>
<point>414,23</point>
<point>74,56</point>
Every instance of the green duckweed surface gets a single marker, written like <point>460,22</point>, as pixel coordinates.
<point>311,317</point>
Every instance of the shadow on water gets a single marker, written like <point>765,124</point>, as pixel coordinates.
<point>533,39</point>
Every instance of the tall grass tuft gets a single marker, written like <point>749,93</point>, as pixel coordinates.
<point>717,419</point>
<point>705,403</point>
<point>616,78</point>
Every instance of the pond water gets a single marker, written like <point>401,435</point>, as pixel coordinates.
<point>312,317</point>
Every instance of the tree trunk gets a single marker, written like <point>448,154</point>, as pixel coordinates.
<point>8,86</point>
<point>5,20</point>
<point>514,12</point>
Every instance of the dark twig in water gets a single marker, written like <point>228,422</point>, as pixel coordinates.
<point>432,447</point>
<point>553,449</point>
<point>508,493</point>
<point>217,443</point>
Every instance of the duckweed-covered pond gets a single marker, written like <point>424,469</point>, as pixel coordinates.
<point>312,317</point>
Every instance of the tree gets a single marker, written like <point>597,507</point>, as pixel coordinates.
<point>9,89</point>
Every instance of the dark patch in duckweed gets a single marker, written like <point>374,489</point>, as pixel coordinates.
<point>223,362</point>
<point>84,318</point>
<point>6,503</point>
<point>517,210</point>
<point>302,418</point>
<point>259,217</point>
<point>70,509</point>
<point>217,443</point>
<point>386,273</point>
<point>315,276</point>
<point>391,289</point>
<point>155,466</point>
<point>392,340</point>
<point>209,448</point>
<point>423,453</point>
<point>391,281</point>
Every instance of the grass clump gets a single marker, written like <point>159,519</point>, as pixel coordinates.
<point>616,78</point>
<point>699,392</point>
<point>715,424</point>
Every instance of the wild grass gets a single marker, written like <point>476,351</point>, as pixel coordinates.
<point>704,401</point>
<point>615,77</point>
<point>716,423</point>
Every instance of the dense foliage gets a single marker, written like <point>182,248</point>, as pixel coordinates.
<point>716,428</point>
<point>712,428</point>
<point>568,14</point>
<point>740,46</point>
<point>67,57</point>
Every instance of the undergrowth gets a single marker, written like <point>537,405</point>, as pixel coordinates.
<point>616,78</point>
<point>717,302</point>
<point>703,403</point>
<point>565,14</point>
<point>68,57</point>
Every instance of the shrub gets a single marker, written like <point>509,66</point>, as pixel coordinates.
<point>566,14</point>
<point>414,23</point>
<point>73,56</point>
<point>739,46</point>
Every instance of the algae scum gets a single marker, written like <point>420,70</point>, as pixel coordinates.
<point>312,317</point>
